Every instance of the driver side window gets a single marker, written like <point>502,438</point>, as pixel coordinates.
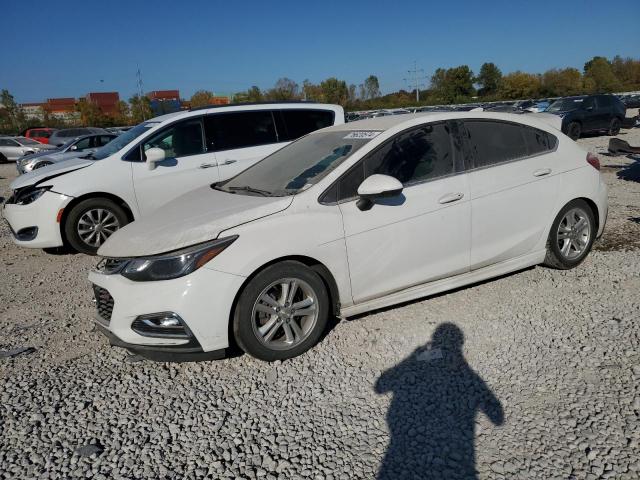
<point>179,140</point>
<point>83,144</point>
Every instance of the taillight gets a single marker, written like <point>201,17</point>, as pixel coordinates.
<point>593,161</point>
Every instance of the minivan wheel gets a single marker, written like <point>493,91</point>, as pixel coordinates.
<point>574,130</point>
<point>614,127</point>
<point>282,312</point>
<point>571,236</point>
<point>3,159</point>
<point>91,222</point>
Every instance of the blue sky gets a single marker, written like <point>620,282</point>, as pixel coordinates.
<point>69,48</point>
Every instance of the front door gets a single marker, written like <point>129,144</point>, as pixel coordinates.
<point>419,236</point>
<point>187,165</point>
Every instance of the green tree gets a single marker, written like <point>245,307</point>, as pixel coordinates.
<point>335,91</point>
<point>90,113</point>
<point>14,115</point>
<point>520,85</point>
<point>140,109</point>
<point>284,89</point>
<point>371,87</point>
<point>254,94</point>
<point>627,71</point>
<point>490,78</point>
<point>201,98</point>
<point>559,83</point>
<point>599,76</point>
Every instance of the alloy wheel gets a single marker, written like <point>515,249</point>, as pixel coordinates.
<point>96,225</point>
<point>574,233</point>
<point>285,313</point>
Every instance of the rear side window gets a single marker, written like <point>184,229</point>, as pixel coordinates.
<point>103,140</point>
<point>538,141</point>
<point>226,131</point>
<point>490,143</point>
<point>300,122</point>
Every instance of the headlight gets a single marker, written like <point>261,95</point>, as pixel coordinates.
<point>28,195</point>
<point>174,264</point>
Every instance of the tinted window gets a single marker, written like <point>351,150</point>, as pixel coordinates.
<point>226,131</point>
<point>494,142</point>
<point>300,122</point>
<point>421,154</point>
<point>538,141</point>
<point>83,144</point>
<point>179,140</point>
<point>103,140</point>
<point>349,183</point>
<point>589,102</point>
<point>6,142</point>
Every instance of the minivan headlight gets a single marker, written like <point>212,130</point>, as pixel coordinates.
<point>174,264</point>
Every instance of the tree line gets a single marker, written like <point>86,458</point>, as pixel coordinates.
<point>451,85</point>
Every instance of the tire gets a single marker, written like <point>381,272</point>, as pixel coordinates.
<point>3,159</point>
<point>574,130</point>
<point>252,312</point>
<point>614,127</point>
<point>99,212</point>
<point>562,253</point>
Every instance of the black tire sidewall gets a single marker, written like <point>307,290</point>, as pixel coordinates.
<point>3,159</point>
<point>242,328</point>
<point>614,127</point>
<point>77,211</point>
<point>553,240</point>
<point>571,127</point>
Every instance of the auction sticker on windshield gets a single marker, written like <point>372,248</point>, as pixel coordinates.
<point>363,134</point>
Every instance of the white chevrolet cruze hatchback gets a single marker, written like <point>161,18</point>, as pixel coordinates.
<point>81,202</point>
<point>345,220</point>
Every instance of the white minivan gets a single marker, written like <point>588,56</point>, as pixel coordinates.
<point>80,203</point>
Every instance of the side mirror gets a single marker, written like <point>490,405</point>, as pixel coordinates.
<point>73,148</point>
<point>377,186</point>
<point>154,155</point>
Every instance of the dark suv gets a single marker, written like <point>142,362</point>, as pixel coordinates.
<point>589,113</point>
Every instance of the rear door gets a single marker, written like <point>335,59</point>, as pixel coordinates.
<point>241,139</point>
<point>514,184</point>
<point>188,164</point>
<point>422,234</point>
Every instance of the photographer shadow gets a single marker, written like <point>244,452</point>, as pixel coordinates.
<point>432,417</point>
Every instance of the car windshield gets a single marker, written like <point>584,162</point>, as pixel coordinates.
<point>299,165</point>
<point>26,141</point>
<point>121,141</point>
<point>565,104</point>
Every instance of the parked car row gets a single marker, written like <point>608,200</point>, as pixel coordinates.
<point>235,235</point>
<point>580,114</point>
<point>13,148</point>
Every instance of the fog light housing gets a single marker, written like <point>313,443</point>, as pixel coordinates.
<point>161,325</point>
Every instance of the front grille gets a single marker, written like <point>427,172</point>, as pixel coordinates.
<point>104,302</point>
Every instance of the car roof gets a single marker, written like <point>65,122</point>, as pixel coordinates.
<point>392,121</point>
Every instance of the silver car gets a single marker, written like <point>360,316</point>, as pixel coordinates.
<point>12,148</point>
<point>74,148</point>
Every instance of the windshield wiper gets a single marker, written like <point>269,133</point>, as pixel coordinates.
<point>247,188</point>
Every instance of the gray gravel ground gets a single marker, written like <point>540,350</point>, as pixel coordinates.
<point>533,375</point>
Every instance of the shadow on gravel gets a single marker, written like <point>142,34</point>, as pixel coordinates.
<point>631,172</point>
<point>432,417</point>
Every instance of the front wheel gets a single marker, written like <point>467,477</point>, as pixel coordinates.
<point>574,130</point>
<point>571,236</point>
<point>614,127</point>
<point>282,312</point>
<point>91,222</point>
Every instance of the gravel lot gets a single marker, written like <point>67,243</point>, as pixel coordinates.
<point>533,375</point>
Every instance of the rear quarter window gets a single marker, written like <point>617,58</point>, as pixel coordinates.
<point>538,141</point>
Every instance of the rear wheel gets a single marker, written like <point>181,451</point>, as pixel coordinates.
<point>282,312</point>
<point>614,127</point>
<point>571,237</point>
<point>574,130</point>
<point>3,159</point>
<point>91,222</point>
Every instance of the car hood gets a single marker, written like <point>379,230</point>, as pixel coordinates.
<point>195,217</point>
<point>58,156</point>
<point>50,171</point>
<point>40,154</point>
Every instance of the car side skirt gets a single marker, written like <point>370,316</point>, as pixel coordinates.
<point>446,284</point>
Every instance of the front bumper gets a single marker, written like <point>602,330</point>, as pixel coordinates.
<point>203,300</point>
<point>41,214</point>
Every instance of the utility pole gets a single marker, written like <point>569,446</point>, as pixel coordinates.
<point>140,93</point>
<point>416,75</point>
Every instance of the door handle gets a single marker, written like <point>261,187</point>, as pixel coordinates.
<point>228,162</point>
<point>451,197</point>
<point>542,172</point>
<point>208,165</point>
